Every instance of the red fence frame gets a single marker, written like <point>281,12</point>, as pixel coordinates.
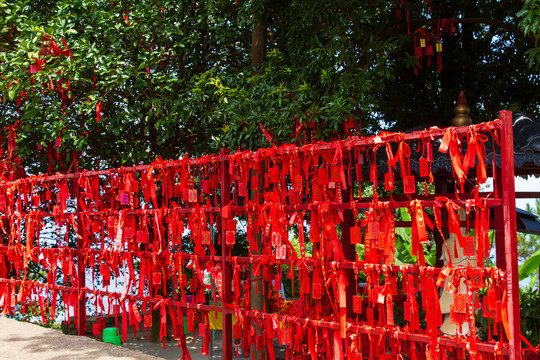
<point>505,225</point>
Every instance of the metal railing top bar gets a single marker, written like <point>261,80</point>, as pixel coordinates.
<point>351,142</point>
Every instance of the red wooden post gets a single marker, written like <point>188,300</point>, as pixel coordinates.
<point>349,251</point>
<point>510,235</point>
<point>225,255</point>
<point>81,269</point>
<point>499,218</point>
<point>499,228</point>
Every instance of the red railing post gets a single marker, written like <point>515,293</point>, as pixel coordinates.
<point>349,251</point>
<point>510,235</point>
<point>81,302</point>
<point>225,255</point>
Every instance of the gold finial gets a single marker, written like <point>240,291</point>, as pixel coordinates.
<point>461,112</point>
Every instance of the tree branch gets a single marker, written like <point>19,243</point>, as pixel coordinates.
<point>488,21</point>
<point>501,24</point>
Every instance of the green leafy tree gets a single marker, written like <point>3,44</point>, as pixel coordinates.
<point>529,249</point>
<point>125,81</point>
<point>530,25</point>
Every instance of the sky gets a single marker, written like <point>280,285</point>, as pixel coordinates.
<point>530,184</point>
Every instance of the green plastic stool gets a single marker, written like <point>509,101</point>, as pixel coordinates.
<point>112,335</point>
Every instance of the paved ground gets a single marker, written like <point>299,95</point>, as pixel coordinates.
<point>25,341</point>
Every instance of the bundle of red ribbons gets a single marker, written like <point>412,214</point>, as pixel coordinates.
<point>157,228</point>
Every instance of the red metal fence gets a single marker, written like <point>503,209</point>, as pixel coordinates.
<point>350,297</point>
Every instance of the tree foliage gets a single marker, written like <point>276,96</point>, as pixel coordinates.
<point>529,250</point>
<point>126,81</point>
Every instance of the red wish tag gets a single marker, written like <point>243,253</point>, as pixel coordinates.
<point>407,311</point>
<point>276,238</point>
<point>58,142</point>
<point>413,283</point>
<point>460,303</point>
<point>492,298</point>
<point>298,184</point>
<point>177,190</point>
<point>317,193</point>
<point>230,225</point>
<point>317,289</point>
<point>389,181</point>
<point>373,175</point>
<point>409,184</point>
<point>359,173</point>
<point>293,197</point>
<point>182,280</point>
<point>185,194</point>
<point>406,167</point>
<point>274,174</point>
<point>339,193</point>
<point>96,329</point>
<point>242,189</point>
<point>392,285</point>
<point>206,187</point>
<point>128,232</point>
<point>314,235</point>
<point>95,227</point>
<point>305,285</point>
<point>281,252</point>
<point>373,230</point>
<point>335,176</point>
<point>429,151</point>
<point>286,336</point>
<point>323,176</point>
<point>156,278</point>
<point>357,304</point>
<point>389,310</point>
<point>468,248</point>
<point>476,278</point>
<point>124,198</point>
<point>488,313</point>
<point>205,238</point>
<point>105,272</point>
<point>424,167</point>
<point>141,238</point>
<point>254,182</point>
<point>356,235</point>
<point>192,195</point>
<point>369,313</point>
<point>202,330</point>
<point>455,318</point>
<point>230,237</point>
<point>237,331</point>
<point>498,314</point>
<point>148,320</point>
